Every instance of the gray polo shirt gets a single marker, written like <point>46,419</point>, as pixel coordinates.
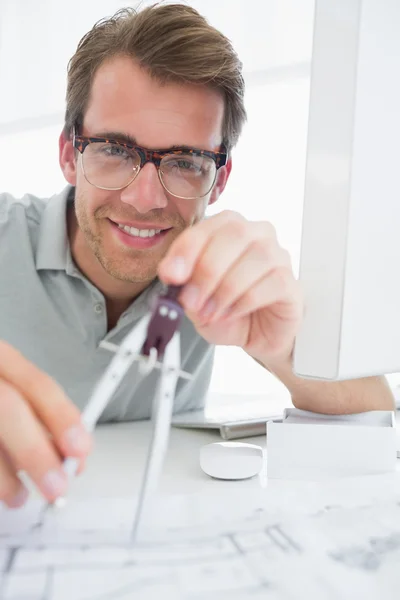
<point>57,318</point>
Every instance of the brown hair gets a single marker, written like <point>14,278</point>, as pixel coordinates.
<point>174,43</point>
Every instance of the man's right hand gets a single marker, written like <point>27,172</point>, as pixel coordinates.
<point>39,427</point>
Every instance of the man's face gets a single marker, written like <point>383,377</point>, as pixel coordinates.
<point>125,100</point>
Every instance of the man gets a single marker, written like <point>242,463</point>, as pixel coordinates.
<point>154,108</point>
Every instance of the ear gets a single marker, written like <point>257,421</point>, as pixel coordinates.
<point>67,158</point>
<point>222,178</point>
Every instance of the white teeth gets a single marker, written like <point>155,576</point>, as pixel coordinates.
<point>143,233</point>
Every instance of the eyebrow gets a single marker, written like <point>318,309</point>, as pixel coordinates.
<point>128,139</point>
<point>117,136</point>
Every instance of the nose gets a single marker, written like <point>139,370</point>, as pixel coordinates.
<point>146,192</point>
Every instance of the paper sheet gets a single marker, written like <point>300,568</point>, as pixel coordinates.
<point>332,544</point>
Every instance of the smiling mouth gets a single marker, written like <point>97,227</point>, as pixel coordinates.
<point>142,232</point>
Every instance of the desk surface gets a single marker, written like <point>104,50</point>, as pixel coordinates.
<point>116,463</point>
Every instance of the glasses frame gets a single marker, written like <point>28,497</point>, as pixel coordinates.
<point>80,142</point>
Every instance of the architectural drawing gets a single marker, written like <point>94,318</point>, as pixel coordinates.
<point>84,553</point>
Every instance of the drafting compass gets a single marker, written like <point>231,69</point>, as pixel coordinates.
<point>155,343</point>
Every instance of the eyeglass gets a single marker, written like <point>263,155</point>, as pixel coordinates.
<point>187,173</point>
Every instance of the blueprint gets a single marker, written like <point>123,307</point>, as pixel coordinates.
<point>195,549</point>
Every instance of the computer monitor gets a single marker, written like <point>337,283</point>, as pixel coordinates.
<point>350,249</point>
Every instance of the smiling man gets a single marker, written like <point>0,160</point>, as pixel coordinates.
<point>154,108</point>
<point>123,224</point>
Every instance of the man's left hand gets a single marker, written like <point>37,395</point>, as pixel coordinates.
<point>239,287</point>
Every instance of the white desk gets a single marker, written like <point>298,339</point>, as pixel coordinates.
<point>115,465</point>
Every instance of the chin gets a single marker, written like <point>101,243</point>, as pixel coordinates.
<point>137,273</point>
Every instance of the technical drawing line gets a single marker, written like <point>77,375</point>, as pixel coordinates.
<point>281,540</point>
<point>290,541</point>
<point>12,554</point>
<point>235,544</point>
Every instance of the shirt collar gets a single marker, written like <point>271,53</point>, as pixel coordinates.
<point>143,303</point>
<point>53,250</point>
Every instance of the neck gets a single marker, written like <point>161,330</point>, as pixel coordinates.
<point>118,294</point>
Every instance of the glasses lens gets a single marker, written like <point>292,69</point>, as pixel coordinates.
<point>187,175</point>
<point>109,166</point>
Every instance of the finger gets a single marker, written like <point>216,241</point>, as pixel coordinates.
<point>257,262</point>
<point>27,444</point>
<point>279,291</point>
<point>81,467</point>
<point>59,415</point>
<point>12,491</point>
<point>178,265</point>
<point>213,263</point>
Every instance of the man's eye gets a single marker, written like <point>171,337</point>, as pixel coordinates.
<point>113,150</point>
<point>110,151</point>
<point>185,164</point>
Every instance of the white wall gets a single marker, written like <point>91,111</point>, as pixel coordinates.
<point>37,37</point>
